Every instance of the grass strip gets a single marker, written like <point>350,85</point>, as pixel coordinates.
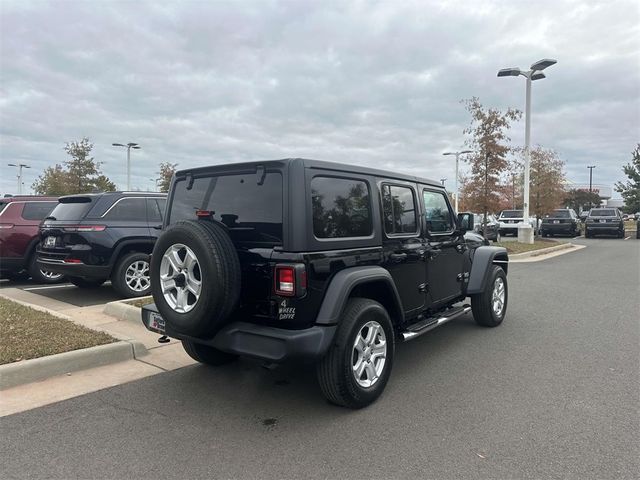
<point>27,333</point>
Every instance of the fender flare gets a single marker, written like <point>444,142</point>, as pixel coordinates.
<point>343,283</point>
<point>483,258</point>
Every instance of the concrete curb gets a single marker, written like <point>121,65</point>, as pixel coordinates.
<point>28,371</point>
<point>123,311</point>
<point>542,251</point>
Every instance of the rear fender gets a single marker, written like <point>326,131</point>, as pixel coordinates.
<point>483,259</point>
<point>346,281</point>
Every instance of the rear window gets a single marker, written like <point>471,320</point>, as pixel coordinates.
<point>602,212</point>
<point>2,205</point>
<point>37,210</point>
<point>561,214</point>
<point>250,208</point>
<point>74,208</point>
<point>512,214</point>
<point>341,208</point>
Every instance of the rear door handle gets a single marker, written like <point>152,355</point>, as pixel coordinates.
<point>157,227</point>
<point>398,257</point>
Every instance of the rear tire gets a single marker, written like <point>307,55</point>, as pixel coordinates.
<point>364,343</point>
<point>490,306</point>
<point>130,277</point>
<point>43,276</point>
<point>207,354</point>
<point>85,282</point>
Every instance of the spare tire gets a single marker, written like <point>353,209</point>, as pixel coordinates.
<point>195,277</point>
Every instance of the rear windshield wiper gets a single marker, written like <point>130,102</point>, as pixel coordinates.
<point>50,218</point>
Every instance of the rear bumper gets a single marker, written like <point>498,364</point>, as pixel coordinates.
<point>604,228</point>
<point>559,228</point>
<point>257,341</point>
<point>97,272</point>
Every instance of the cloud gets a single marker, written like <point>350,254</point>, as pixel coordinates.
<point>375,83</point>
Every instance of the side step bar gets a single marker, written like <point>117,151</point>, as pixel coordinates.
<point>431,323</point>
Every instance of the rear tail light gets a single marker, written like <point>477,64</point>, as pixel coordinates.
<point>6,225</point>
<point>85,228</point>
<point>72,260</point>
<point>290,280</point>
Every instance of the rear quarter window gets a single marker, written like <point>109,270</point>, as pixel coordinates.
<point>37,210</point>
<point>341,208</point>
<point>72,209</point>
<point>128,209</point>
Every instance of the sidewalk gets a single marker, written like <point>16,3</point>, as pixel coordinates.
<point>160,357</point>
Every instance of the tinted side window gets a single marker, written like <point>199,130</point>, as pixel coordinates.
<point>437,213</point>
<point>399,210</point>
<point>37,210</point>
<point>130,209</point>
<point>154,214</point>
<point>341,208</point>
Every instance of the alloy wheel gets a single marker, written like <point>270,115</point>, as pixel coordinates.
<point>498,296</point>
<point>369,354</point>
<point>180,278</point>
<point>137,276</point>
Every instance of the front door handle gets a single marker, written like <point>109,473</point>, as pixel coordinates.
<point>157,227</point>
<point>398,257</point>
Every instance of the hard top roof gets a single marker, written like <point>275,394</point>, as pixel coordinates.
<point>308,163</point>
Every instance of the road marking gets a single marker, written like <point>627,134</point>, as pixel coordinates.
<point>45,288</point>
<point>627,238</point>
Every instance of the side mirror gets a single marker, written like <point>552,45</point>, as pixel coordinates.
<point>465,222</point>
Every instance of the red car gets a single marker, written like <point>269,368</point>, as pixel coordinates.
<point>20,217</point>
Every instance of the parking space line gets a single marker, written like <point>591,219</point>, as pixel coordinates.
<point>47,287</point>
<point>627,238</point>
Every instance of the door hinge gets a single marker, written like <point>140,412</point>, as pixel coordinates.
<point>423,287</point>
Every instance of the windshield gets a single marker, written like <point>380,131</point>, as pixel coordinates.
<point>602,212</point>
<point>511,214</point>
<point>251,209</point>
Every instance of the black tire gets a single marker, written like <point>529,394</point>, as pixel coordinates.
<point>141,286</point>
<point>587,233</point>
<point>482,304</point>
<point>335,371</point>
<point>206,354</point>
<point>218,269</point>
<point>86,282</point>
<point>41,276</point>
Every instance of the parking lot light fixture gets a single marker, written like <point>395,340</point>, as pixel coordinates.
<point>457,154</point>
<point>525,231</point>
<point>128,146</point>
<point>20,167</point>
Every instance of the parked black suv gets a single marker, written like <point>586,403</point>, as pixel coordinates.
<point>95,237</point>
<point>562,221</point>
<point>307,260</point>
<point>604,220</point>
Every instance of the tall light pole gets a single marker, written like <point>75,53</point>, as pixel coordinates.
<point>442,180</point>
<point>156,182</point>
<point>128,146</point>
<point>457,154</point>
<point>591,167</point>
<point>20,167</point>
<point>525,231</point>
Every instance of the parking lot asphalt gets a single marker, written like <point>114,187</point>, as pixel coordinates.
<point>553,392</point>
<point>66,292</point>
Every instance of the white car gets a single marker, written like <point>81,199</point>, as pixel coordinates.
<point>509,220</point>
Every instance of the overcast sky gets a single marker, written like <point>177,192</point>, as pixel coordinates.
<point>374,83</point>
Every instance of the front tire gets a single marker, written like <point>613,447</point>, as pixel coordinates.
<point>490,306</point>
<point>355,370</point>
<point>131,277</point>
<point>207,354</point>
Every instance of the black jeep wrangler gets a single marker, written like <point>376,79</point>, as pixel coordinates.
<point>308,260</point>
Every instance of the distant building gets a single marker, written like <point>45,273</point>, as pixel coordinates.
<point>603,190</point>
